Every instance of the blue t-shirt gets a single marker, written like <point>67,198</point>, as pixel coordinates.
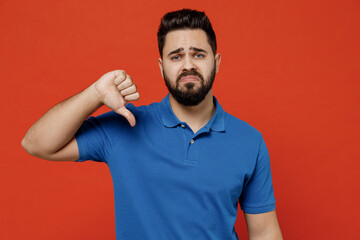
<point>170,183</point>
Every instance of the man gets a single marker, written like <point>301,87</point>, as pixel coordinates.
<point>181,170</point>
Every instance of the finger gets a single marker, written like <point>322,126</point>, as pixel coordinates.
<point>129,90</point>
<point>120,76</point>
<point>132,97</point>
<point>125,84</point>
<point>127,114</point>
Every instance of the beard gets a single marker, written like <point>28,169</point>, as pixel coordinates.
<point>190,95</point>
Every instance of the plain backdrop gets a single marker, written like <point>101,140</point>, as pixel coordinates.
<point>289,68</point>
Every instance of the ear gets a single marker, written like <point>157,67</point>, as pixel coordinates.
<point>161,67</point>
<point>217,61</point>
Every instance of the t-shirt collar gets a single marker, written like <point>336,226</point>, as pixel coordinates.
<point>169,119</point>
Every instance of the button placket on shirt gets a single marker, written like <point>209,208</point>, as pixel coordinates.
<point>192,154</point>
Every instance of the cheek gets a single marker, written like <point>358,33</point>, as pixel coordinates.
<point>205,70</point>
<point>171,70</point>
<point>206,65</point>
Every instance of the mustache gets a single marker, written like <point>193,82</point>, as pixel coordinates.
<point>190,72</point>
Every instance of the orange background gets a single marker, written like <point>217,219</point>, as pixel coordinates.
<point>289,68</point>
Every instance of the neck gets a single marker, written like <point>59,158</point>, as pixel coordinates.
<point>195,116</point>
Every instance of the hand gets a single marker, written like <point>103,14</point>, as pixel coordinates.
<point>115,89</point>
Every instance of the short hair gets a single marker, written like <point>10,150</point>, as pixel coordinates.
<point>185,19</point>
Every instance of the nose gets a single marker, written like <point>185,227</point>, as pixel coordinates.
<point>188,64</point>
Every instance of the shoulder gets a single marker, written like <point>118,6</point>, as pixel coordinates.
<point>143,110</point>
<point>112,120</point>
<point>240,128</point>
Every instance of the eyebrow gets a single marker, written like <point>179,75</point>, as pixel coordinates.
<point>198,49</point>
<point>191,48</point>
<point>176,51</point>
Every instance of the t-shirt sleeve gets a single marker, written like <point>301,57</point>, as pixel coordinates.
<point>258,192</point>
<point>97,135</point>
<point>92,141</point>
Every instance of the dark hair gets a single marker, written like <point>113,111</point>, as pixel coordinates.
<point>185,19</point>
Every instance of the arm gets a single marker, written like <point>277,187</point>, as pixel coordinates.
<point>263,226</point>
<point>52,136</point>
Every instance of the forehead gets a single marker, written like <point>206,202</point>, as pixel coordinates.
<point>186,39</point>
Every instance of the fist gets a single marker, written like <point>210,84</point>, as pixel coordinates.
<point>115,89</point>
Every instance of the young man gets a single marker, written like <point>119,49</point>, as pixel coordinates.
<point>179,172</point>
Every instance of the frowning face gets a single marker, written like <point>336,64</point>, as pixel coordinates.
<point>188,65</point>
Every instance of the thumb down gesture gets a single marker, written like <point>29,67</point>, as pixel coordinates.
<point>115,89</point>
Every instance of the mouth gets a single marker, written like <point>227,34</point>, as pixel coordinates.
<point>190,78</point>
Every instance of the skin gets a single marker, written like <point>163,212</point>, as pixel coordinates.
<point>263,226</point>
<point>49,138</point>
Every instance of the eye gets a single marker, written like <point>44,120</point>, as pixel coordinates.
<point>199,55</point>
<point>175,58</point>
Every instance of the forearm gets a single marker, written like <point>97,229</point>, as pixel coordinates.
<point>59,125</point>
<point>267,236</point>
<point>263,226</point>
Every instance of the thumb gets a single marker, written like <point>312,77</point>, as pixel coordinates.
<point>127,114</point>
